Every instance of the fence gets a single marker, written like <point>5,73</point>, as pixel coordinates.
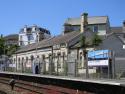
<point>59,67</point>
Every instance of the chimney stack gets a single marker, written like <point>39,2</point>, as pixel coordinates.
<point>123,28</point>
<point>84,21</point>
<point>25,28</point>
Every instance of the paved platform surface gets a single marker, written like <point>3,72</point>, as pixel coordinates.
<point>117,82</point>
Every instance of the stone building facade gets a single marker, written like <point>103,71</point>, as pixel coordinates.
<point>49,52</point>
<point>61,53</point>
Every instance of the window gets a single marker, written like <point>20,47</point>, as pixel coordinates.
<point>23,64</point>
<point>21,42</point>
<point>123,46</point>
<point>37,56</point>
<point>32,57</point>
<point>26,59</point>
<point>14,60</point>
<point>30,37</point>
<point>35,29</point>
<point>28,42</point>
<point>37,38</point>
<point>64,54</point>
<point>20,37</point>
<point>58,53</point>
<point>95,28</point>
<point>19,63</point>
<point>54,55</point>
<point>80,56</point>
<point>80,61</point>
<point>43,57</point>
<point>63,44</point>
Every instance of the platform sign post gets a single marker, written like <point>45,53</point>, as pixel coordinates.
<point>100,59</point>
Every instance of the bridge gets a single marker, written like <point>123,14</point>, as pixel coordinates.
<point>48,84</point>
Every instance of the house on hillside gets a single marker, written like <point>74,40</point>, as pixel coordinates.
<point>99,24</point>
<point>33,34</point>
<point>11,39</point>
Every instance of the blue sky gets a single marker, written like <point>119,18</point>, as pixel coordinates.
<point>51,14</point>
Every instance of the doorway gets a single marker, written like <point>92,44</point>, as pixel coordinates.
<point>37,69</point>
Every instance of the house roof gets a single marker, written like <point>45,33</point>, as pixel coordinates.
<point>91,20</point>
<point>115,43</point>
<point>88,35</point>
<point>116,29</point>
<point>49,42</point>
<point>38,29</point>
<point>11,37</point>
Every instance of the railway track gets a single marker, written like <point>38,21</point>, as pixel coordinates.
<point>37,88</point>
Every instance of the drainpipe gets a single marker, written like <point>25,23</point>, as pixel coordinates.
<point>16,62</point>
<point>52,65</point>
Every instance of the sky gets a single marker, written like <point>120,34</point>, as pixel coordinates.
<point>51,14</point>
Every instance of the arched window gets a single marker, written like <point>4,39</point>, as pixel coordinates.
<point>14,60</point>
<point>37,56</point>
<point>58,53</point>
<point>43,57</point>
<point>80,56</point>
<point>22,64</point>
<point>64,53</point>
<point>19,59</point>
<point>63,56</point>
<point>80,60</point>
<point>19,63</point>
<point>22,59</point>
<point>59,59</point>
<point>32,57</point>
<point>50,57</point>
<point>26,59</point>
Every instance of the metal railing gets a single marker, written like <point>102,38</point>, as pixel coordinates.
<point>66,68</point>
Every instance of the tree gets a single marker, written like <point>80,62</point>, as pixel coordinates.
<point>11,49</point>
<point>2,45</point>
<point>7,49</point>
<point>94,41</point>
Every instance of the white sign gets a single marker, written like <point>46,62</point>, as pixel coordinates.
<point>98,63</point>
<point>12,65</point>
<point>123,46</point>
<point>99,54</point>
<point>28,65</point>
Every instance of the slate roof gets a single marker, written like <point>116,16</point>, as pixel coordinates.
<point>38,29</point>
<point>11,37</point>
<point>116,29</point>
<point>49,42</point>
<point>89,36</point>
<point>115,43</point>
<point>91,20</point>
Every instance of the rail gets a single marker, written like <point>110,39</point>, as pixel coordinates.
<point>48,82</point>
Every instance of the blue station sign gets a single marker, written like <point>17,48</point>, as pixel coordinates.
<point>99,54</point>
